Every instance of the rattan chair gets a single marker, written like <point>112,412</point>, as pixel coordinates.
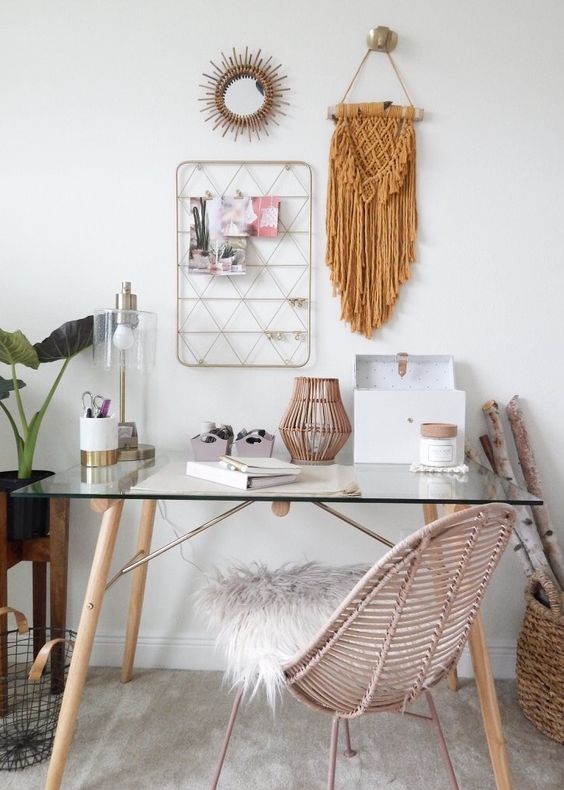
<point>401,628</point>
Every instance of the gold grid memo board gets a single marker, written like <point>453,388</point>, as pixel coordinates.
<point>261,318</point>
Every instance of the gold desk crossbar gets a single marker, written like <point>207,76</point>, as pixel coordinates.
<point>148,557</point>
<point>354,524</point>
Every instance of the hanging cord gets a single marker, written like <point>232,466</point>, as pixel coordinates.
<point>359,69</point>
<point>178,532</point>
<point>401,82</point>
<point>357,72</point>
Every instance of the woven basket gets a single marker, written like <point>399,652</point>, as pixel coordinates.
<point>540,660</point>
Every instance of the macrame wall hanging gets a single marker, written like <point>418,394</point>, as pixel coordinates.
<point>371,203</point>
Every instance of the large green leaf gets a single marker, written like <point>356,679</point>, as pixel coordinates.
<point>66,341</point>
<point>15,348</point>
<point>7,385</point>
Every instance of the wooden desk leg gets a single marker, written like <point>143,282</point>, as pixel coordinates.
<point>84,640</point>
<point>489,705</point>
<point>138,589</point>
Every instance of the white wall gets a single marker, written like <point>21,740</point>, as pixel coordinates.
<point>99,104</point>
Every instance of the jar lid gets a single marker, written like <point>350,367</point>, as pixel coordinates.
<point>439,430</point>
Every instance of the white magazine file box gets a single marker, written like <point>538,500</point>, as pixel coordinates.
<point>389,408</point>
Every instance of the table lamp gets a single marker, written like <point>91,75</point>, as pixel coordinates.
<point>124,338</point>
<point>315,425</point>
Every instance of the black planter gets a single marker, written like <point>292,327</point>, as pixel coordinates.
<point>27,517</point>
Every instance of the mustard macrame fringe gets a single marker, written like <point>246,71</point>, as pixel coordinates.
<point>371,210</point>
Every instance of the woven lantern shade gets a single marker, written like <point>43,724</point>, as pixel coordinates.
<point>315,426</point>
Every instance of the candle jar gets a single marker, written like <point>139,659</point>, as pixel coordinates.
<point>437,446</point>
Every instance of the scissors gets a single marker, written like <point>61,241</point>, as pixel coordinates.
<point>91,404</point>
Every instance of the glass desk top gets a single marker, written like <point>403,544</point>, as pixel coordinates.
<point>393,483</point>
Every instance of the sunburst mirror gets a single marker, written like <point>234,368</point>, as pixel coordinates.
<point>244,93</point>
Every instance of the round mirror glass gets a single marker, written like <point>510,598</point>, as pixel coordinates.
<point>243,96</point>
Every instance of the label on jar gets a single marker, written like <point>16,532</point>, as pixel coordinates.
<point>440,452</point>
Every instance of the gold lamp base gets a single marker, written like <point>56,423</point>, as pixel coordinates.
<point>140,453</point>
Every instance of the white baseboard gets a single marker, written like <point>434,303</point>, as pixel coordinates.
<point>159,652</point>
<point>503,655</point>
<point>198,653</point>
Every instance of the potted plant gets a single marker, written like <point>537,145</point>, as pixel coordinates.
<point>200,254</point>
<point>226,255</point>
<point>27,518</point>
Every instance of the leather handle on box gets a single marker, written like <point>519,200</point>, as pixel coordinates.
<point>401,359</point>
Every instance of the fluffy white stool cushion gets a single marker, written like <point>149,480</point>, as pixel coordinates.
<point>265,617</point>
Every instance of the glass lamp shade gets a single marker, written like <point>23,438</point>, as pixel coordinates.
<point>124,338</point>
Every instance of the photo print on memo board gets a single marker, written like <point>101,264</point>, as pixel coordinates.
<point>250,216</point>
<point>211,250</point>
<point>220,226</point>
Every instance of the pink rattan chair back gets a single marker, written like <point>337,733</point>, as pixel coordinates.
<point>403,626</point>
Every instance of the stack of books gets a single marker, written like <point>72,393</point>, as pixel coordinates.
<point>244,472</point>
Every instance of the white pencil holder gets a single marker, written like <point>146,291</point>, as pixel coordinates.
<point>98,441</point>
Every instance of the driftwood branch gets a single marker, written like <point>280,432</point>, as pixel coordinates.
<point>529,468</point>
<point>524,524</point>
<point>472,454</point>
<point>488,451</point>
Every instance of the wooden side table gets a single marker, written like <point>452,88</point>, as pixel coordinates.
<point>52,549</point>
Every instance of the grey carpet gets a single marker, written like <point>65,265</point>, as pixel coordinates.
<point>164,731</point>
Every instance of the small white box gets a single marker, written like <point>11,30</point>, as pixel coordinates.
<point>389,408</point>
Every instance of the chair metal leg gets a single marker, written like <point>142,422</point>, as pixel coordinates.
<point>349,751</point>
<point>333,753</point>
<point>442,742</point>
<point>229,730</point>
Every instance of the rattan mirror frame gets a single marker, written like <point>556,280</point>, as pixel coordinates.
<point>235,67</point>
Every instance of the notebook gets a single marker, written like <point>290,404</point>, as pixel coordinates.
<point>218,472</point>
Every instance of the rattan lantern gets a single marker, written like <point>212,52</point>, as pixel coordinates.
<point>315,426</point>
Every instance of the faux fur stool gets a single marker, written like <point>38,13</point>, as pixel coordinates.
<point>265,617</point>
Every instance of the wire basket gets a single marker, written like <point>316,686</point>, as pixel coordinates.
<point>32,681</point>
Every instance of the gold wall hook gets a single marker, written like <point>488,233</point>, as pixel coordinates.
<point>382,39</point>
